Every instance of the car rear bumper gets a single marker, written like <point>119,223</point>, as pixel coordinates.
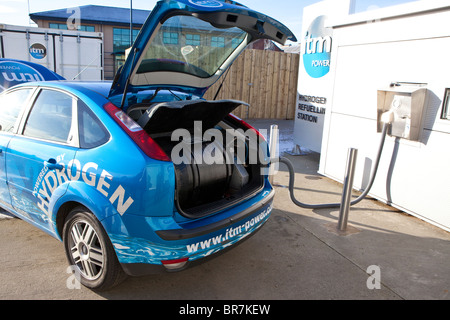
<point>140,256</point>
<point>184,234</point>
<point>143,269</point>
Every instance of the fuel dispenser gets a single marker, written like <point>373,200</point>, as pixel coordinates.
<point>401,110</point>
<point>403,105</point>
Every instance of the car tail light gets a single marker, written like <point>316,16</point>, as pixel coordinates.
<point>245,125</point>
<point>139,136</point>
<point>175,264</point>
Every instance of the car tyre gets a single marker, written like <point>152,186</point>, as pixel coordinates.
<point>90,251</point>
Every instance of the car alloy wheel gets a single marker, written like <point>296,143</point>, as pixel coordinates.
<point>90,252</point>
<point>86,249</point>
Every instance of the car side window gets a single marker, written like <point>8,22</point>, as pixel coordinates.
<point>11,104</point>
<point>51,117</point>
<point>92,132</point>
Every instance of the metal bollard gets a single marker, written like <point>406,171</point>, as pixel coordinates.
<point>274,152</point>
<point>347,193</point>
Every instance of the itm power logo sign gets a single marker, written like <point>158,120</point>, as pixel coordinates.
<point>317,48</point>
<point>13,73</point>
<point>38,51</point>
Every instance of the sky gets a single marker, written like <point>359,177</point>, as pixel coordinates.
<point>289,12</point>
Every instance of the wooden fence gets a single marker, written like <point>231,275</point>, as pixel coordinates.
<point>267,80</point>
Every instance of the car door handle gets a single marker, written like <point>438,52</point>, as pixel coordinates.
<point>53,165</point>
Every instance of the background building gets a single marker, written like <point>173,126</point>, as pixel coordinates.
<point>113,22</point>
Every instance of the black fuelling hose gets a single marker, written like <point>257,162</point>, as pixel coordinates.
<point>335,205</point>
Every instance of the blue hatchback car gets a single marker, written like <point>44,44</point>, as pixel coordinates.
<point>143,175</point>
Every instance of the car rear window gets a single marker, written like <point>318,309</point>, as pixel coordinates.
<point>189,45</point>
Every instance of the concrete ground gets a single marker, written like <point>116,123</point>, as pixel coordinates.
<point>298,255</point>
